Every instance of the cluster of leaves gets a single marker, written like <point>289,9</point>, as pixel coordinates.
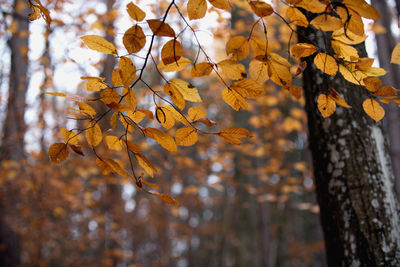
<point>343,20</point>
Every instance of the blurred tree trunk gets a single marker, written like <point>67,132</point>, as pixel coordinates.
<point>12,143</point>
<point>353,173</point>
<point>385,44</point>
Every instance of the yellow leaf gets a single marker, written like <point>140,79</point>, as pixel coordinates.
<point>175,66</point>
<point>313,6</point>
<point>326,22</point>
<point>222,4</point>
<point>93,134</point>
<point>373,109</point>
<point>56,94</point>
<point>196,113</point>
<point>94,84</point>
<point>164,139</point>
<point>303,50</point>
<point>337,98</point>
<point>103,166</point>
<point>344,51</point>
<point>125,73</point>
<point>364,63</point>
<point>363,8</point>
<point>396,55</point>
<point>114,120</point>
<point>177,116</point>
<point>186,136</point>
<point>238,46</point>
<point>116,167</point>
<point>165,117</point>
<point>175,95</point>
<point>86,110</point>
<point>109,96</point>
<point>202,69</point>
<point>164,197</point>
<point>70,137</point>
<point>188,91</point>
<point>326,105</point>
<point>134,39</point>
<point>260,47</point>
<point>232,135</point>
<point>145,164</point>
<point>171,52</point>
<point>352,20</point>
<point>234,99</point>
<point>279,73</point>
<point>348,37</point>
<point>297,17</point>
<point>99,44</point>
<point>261,8</point>
<point>197,9</point>
<point>113,143</point>
<point>160,28</point>
<point>130,98</point>
<point>351,74</point>
<point>233,69</point>
<point>372,83</point>
<point>258,70</point>
<point>139,114</point>
<point>58,152</point>
<point>135,12</point>
<point>248,88</point>
<point>326,64</point>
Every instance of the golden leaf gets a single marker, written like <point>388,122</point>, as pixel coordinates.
<point>116,167</point>
<point>313,6</point>
<point>135,12</point>
<point>93,134</point>
<point>372,83</point>
<point>165,117</point>
<point>326,64</point>
<point>259,47</point>
<point>70,137</point>
<point>337,98</point>
<point>232,135</point>
<point>353,21</point>
<point>171,52</point>
<point>363,8</point>
<point>113,143</point>
<point>86,110</point>
<point>56,94</point>
<point>109,96</point>
<point>177,116</point>
<point>233,69</point>
<point>197,9</point>
<point>125,73</point>
<point>160,28</point>
<point>130,98</point>
<point>188,91</point>
<point>238,46</point>
<point>133,147</point>
<point>234,99</point>
<point>134,39</point>
<point>186,136</point>
<point>344,51</point>
<point>373,109</point>
<point>303,50</point>
<point>175,66</point>
<point>202,69</point>
<point>248,88</point>
<point>103,166</point>
<point>279,73</point>
<point>196,113</point>
<point>396,55</point>
<point>295,91</point>
<point>145,164</point>
<point>261,8</point>
<point>58,152</point>
<point>326,105</point>
<point>326,22</point>
<point>164,197</point>
<point>94,84</point>
<point>258,70</point>
<point>348,37</point>
<point>175,95</point>
<point>99,44</point>
<point>297,17</point>
<point>222,4</point>
<point>164,139</point>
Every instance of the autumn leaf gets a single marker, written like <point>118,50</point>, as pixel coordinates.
<point>94,84</point>
<point>188,91</point>
<point>135,12</point>
<point>258,70</point>
<point>234,99</point>
<point>160,28</point>
<point>396,55</point>
<point>232,135</point>
<point>93,134</point>
<point>125,73</point>
<point>238,47</point>
<point>233,69</point>
<point>373,109</point>
<point>134,39</point>
<point>58,152</point>
<point>326,64</point>
<point>303,50</point>
<point>202,69</point>
<point>326,105</point>
<point>196,113</point>
<point>99,44</point>
<point>171,52</point>
<point>164,197</point>
<point>326,22</point>
<point>196,9</point>
<point>222,4</point>
<point>174,66</point>
<point>248,88</point>
<point>165,117</point>
<point>175,95</point>
<point>337,98</point>
<point>86,110</point>
<point>145,164</point>
<point>186,136</point>
<point>261,8</point>
<point>164,139</point>
<point>113,143</point>
<point>297,17</point>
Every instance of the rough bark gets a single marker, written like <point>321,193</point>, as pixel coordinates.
<point>354,179</point>
<point>385,44</point>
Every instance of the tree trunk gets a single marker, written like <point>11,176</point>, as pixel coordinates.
<point>385,44</point>
<point>354,179</point>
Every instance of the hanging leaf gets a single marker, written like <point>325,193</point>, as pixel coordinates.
<point>164,197</point>
<point>188,91</point>
<point>160,28</point>
<point>196,113</point>
<point>175,95</point>
<point>222,4</point>
<point>258,70</point>
<point>396,55</point>
<point>248,88</point>
<point>337,98</point>
<point>94,84</point>
<point>261,8</point>
<point>326,64</point>
<point>303,50</point>
<point>186,136</point>
<point>171,52</point>
<point>145,164</point>
<point>326,105</point>
<point>70,137</point>
<point>99,44</point>
<point>129,98</point>
<point>113,143</point>
<point>93,134</point>
<point>58,152</point>
<point>164,139</point>
<point>234,99</point>
<point>135,12</point>
<point>86,110</point>
<point>125,73</point>
<point>196,9</point>
<point>297,17</point>
<point>233,69</point>
<point>373,109</point>
<point>175,66</point>
<point>202,69</point>
<point>238,47</point>
<point>134,39</point>
<point>326,22</point>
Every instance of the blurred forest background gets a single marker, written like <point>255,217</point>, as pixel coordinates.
<point>248,205</point>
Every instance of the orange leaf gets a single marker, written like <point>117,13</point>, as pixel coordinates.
<point>160,28</point>
<point>58,152</point>
<point>164,197</point>
<point>326,105</point>
<point>134,39</point>
<point>373,109</point>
